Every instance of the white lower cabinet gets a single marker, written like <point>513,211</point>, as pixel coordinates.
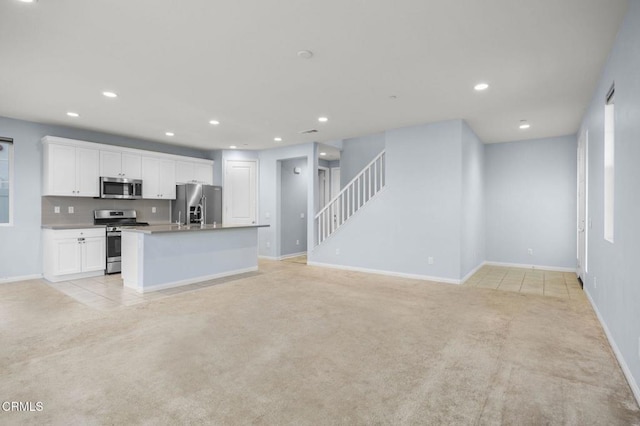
<point>74,253</point>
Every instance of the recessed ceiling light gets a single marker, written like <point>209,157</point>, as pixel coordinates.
<point>480,87</point>
<point>28,1</point>
<point>214,122</point>
<point>323,153</point>
<point>169,133</point>
<point>525,126</point>
<point>110,94</point>
<point>323,119</point>
<point>232,146</point>
<point>73,114</point>
<point>277,139</point>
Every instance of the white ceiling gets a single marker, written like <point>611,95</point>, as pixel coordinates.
<point>178,64</point>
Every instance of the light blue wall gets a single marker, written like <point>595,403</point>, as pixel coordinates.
<point>472,250</point>
<point>531,202</point>
<point>293,203</point>
<point>411,220</point>
<point>357,153</point>
<point>20,246</point>
<point>269,198</point>
<point>617,295</point>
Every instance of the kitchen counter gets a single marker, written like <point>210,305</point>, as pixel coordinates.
<point>156,229</point>
<point>76,226</point>
<point>162,256</point>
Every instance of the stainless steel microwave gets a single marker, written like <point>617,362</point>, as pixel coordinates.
<point>129,189</point>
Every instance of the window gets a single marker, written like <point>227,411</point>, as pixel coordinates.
<point>6,170</point>
<point>609,164</point>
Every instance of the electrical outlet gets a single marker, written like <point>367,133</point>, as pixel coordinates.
<point>337,252</point>
<point>153,209</point>
<point>430,260</point>
<point>301,215</point>
<point>71,210</point>
<point>297,242</point>
<point>56,209</point>
<point>530,251</point>
<point>595,282</point>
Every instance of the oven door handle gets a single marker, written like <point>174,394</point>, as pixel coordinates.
<point>113,234</point>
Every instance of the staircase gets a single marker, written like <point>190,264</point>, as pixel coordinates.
<point>358,192</point>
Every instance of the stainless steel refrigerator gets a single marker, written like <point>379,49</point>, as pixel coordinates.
<point>197,203</point>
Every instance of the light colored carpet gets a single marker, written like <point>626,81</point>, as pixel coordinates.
<point>302,345</point>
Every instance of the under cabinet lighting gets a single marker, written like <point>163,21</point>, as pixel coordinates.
<point>214,122</point>
<point>277,139</point>
<point>323,153</point>
<point>110,94</point>
<point>524,125</point>
<point>232,146</point>
<point>73,114</point>
<point>323,119</point>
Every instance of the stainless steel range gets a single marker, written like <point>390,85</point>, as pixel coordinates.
<point>114,220</point>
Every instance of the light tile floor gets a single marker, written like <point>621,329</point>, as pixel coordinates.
<point>108,292</point>
<point>526,280</point>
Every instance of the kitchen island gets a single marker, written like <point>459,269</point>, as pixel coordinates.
<point>163,256</point>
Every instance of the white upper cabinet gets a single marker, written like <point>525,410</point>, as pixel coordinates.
<point>71,171</point>
<point>120,164</point>
<point>158,178</point>
<point>73,168</point>
<point>194,172</point>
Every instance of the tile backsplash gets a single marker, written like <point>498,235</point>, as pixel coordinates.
<point>83,209</point>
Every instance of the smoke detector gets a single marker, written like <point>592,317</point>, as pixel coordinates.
<point>305,54</point>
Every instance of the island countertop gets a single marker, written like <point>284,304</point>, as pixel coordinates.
<point>157,229</point>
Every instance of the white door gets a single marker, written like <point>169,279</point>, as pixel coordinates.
<point>93,254</point>
<point>240,203</point>
<point>335,190</point>
<point>582,204</point>
<point>323,187</point>
<point>88,172</point>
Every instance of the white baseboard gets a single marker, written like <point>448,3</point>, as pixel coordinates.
<point>473,271</point>
<point>287,256</point>
<point>387,273</point>
<point>625,368</point>
<point>526,266</point>
<point>269,257</point>
<point>191,280</point>
<point>20,278</point>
